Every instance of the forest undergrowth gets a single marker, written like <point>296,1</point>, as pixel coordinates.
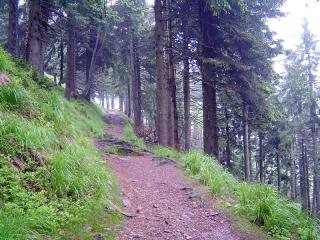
<point>53,181</point>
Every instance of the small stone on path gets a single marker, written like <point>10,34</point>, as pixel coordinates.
<point>126,202</point>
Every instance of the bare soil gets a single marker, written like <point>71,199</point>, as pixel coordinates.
<point>162,203</point>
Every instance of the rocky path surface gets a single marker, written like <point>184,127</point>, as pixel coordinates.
<point>161,202</point>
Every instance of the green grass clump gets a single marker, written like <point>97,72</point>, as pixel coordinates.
<point>259,203</point>
<point>130,136</point>
<point>53,181</point>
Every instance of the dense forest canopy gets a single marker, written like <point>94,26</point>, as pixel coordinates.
<point>191,75</point>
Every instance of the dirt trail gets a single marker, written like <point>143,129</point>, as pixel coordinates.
<point>164,204</point>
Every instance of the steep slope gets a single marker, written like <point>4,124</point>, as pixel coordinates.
<point>53,182</point>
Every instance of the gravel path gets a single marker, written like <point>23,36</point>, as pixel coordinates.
<point>165,204</point>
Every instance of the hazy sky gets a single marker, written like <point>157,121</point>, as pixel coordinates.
<point>289,27</point>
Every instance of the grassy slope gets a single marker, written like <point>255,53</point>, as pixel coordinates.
<point>62,180</point>
<point>257,203</point>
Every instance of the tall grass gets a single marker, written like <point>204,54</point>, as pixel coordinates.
<point>60,179</point>
<point>130,136</point>
<point>259,203</point>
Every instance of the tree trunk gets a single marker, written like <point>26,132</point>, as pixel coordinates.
<point>61,80</point>
<point>36,38</point>
<point>228,149</point>
<point>293,171</point>
<point>135,80</point>
<point>13,41</point>
<point>246,142</point>
<point>108,102</point>
<point>315,159</point>
<point>112,102</point>
<point>303,178</point>
<point>278,166</point>
<point>70,90</point>
<point>92,65</point>
<point>163,89</point>
<point>102,97</point>
<point>261,157</point>
<point>209,92</point>
<point>250,152</point>
<point>171,78</point>
<point>88,53</point>
<point>186,87</point>
<point>128,100</point>
<point>307,181</point>
<point>121,100</point>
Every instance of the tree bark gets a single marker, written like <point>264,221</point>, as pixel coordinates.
<point>261,157</point>
<point>92,65</point>
<point>209,91</point>
<point>303,178</point>
<point>108,102</point>
<point>13,42</point>
<point>228,149</point>
<point>88,53</point>
<point>61,80</point>
<point>70,90</point>
<point>102,97</point>
<point>245,111</point>
<point>128,100</point>
<point>250,152</point>
<point>36,38</point>
<point>112,102</point>
<point>135,80</point>
<point>293,171</point>
<point>186,86</point>
<point>278,165</point>
<point>163,89</point>
<point>307,181</point>
<point>171,79</point>
<point>315,159</point>
<point>121,100</point>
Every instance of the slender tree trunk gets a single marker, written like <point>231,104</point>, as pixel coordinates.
<point>108,102</point>
<point>121,100</point>
<point>293,171</point>
<point>88,55</point>
<point>307,181</point>
<point>250,153</point>
<point>70,90</point>
<point>246,142</point>
<point>278,166</point>
<point>163,89</point>
<point>209,92</point>
<point>303,176</point>
<point>135,80</point>
<point>261,157</point>
<point>102,99</point>
<point>90,82</point>
<point>128,102</point>
<point>186,86</point>
<point>61,80</point>
<point>316,184</point>
<point>228,149</point>
<point>13,41</point>
<point>112,102</point>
